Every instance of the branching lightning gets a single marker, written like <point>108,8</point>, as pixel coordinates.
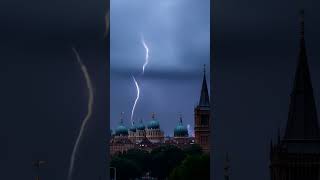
<point>137,98</point>
<point>87,117</point>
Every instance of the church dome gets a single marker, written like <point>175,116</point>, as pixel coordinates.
<point>180,130</point>
<point>121,129</point>
<point>153,124</point>
<point>141,126</point>
<point>133,128</point>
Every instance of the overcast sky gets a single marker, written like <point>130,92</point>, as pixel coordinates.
<point>177,34</point>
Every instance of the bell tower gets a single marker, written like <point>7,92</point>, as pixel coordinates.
<point>202,117</point>
<point>296,155</point>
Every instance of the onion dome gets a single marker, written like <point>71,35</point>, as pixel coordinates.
<point>180,130</point>
<point>141,126</point>
<point>121,129</point>
<point>153,124</point>
<point>133,127</point>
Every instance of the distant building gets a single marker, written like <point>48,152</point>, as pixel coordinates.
<point>296,156</point>
<point>202,117</point>
<point>119,142</point>
<point>140,137</point>
<point>151,136</point>
<point>153,131</point>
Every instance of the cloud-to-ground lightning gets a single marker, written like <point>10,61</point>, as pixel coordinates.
<point>135,81</point>
<point>147,55</point>
<point>137,98</point>
<point>87,117</point>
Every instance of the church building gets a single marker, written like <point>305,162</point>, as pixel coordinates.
<point>296,155</point>
<point>202,117</point>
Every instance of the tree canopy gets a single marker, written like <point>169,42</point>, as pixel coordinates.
<point>125,168</point>
<point>165,159</point>
<point>193,167</point>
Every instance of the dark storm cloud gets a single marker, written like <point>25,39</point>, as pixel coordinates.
<point>175,32</point>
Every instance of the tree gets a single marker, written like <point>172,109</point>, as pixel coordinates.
<point>193,167</point>
<point>141,157</point>
<point>126,169</point>
<point>194,149</point>
<point>165,159</point>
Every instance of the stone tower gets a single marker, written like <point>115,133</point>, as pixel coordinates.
<point>296,155</point>
<point>202,117</point>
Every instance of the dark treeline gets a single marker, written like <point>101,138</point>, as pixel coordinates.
<point>164,162</point>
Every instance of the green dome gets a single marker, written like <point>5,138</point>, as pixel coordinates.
<point>141,126</point>
<point>153,124</point>
<point>180,130</point>
<point>121,130</point>
<point>133,128</point>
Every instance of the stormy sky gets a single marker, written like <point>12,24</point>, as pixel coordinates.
<point>177,34</point>
<point>43,95</point>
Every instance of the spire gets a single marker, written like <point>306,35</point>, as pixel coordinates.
<point>153,115</point>
<point>180,118</point>
<point>121,117</point>
<point>204,97</point>
<point>302,121</point>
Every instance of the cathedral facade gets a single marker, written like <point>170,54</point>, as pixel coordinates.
<point>147,137</point>
<point>296,155</point>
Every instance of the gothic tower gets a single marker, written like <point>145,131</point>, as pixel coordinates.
<point>296,156</point>
<point>202,117</point>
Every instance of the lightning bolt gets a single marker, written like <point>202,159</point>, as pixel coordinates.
<point>87,117</point>
<point>189,129</point>
<point>135,81</point>
<point>137,98</point>
<point>147,55</point>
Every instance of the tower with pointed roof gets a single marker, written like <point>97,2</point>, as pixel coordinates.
<point>202,117</point>
<point>296,156</point>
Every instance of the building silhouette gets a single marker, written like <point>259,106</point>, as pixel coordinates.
<point>296,155</point>
<point>202,116</point>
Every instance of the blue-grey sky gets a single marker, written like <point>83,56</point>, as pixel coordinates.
<point>178,36</point>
